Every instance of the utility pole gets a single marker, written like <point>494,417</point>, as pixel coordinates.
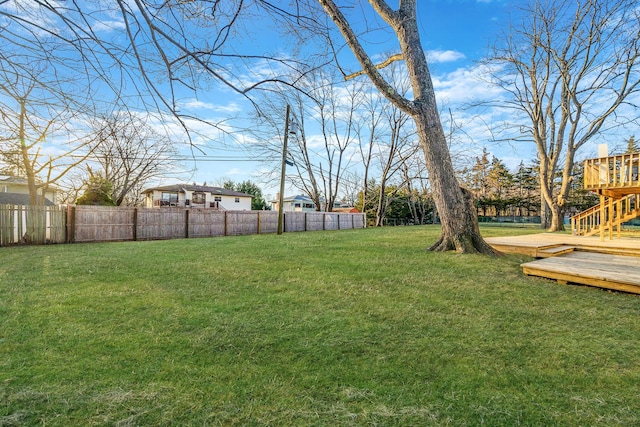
<point>283,171</point>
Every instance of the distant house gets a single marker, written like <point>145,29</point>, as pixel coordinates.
<point>15,191</point>
<point>349,209</point>
<point>197,196</point>
<point>303,203</point>
<point>298,203</point>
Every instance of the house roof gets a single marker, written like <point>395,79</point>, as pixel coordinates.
<point>18,180</point>
<point>12,179</point>
<point>178,188</point>
<point>297,198</point>
<point>19,199</point>
<point>301,198</point>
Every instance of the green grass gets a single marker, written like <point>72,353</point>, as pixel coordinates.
<point>356,327</point>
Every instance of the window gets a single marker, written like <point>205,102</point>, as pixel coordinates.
<point>237,199</point>
<point>217,199</point>
<point>308,206</point>
<point>198,198</point>
<point>169,199</point>
<point>296,205</point>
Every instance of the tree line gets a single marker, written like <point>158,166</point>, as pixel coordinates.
<point>497,192</point>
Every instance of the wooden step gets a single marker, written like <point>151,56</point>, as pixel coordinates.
<point>616,272</point>
<point>630,252</point>
<point>555,250</point>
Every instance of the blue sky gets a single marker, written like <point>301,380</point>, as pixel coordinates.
<point>462,26</point>
<point>455,34</point>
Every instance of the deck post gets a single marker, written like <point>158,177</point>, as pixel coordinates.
<point>602,216</point>
<point>612,220</point>
<point>619,217</point>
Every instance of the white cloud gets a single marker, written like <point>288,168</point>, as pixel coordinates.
<point>235,171</point>
<point>32,12</point>
<point>465,85</point>
<point>197,104</point>
<point>439,56</point>
<point>108,25</point>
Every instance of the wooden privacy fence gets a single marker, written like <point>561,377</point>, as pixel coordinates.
<point>76,224</point>
<point>32,224</point>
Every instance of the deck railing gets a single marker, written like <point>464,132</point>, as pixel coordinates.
<point>616,212</point>
<point>586,222</point>
<point>613,172</point>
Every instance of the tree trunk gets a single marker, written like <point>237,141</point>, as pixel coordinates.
<point>381,209</point>
<point>460,231</point>
<point>559,207</point>
<point>545,212</point>
<point>557,218</point>
<point>552,208</point>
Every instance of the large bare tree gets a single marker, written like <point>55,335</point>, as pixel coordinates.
<point>460,230</point>
<point>321,150</point>
<point>572,73</point>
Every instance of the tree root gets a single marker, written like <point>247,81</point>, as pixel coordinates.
<point>463,235</point>
<point>463,243</point>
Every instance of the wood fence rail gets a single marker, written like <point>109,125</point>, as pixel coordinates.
<point>77,224</point>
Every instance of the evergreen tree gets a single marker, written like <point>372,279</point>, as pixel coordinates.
<point>98,191</point>
<point>499,181</point>
<point>527,194</point>
<point>632,145</point>
<point>477,178</point>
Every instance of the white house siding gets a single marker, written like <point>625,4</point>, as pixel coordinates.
<point>234,202</point>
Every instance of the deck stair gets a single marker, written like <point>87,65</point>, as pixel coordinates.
<point>555,250</point>
<point>589,222</point>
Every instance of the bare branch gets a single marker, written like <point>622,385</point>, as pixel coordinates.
<point>386,63</point>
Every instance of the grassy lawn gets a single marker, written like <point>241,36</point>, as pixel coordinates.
<point>355,327</point>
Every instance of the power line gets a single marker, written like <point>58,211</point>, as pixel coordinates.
<point>179,157</point>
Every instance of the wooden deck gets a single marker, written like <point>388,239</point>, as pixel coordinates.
<point>610,264</point>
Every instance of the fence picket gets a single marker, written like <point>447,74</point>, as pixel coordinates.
<point>31,224</point>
